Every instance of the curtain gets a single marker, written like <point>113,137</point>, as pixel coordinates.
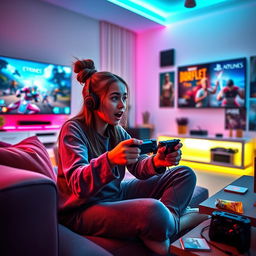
<point>117,55</point>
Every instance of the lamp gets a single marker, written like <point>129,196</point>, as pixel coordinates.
<point>190,3</point>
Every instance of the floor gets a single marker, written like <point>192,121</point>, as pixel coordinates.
<point>214,181</point>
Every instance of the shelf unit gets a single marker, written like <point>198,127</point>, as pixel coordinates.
<point>47,137</point>
<point>197,149</point>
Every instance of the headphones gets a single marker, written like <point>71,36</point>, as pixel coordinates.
<point>91,101</point>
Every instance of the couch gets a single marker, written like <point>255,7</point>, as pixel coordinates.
<point>28,216</point>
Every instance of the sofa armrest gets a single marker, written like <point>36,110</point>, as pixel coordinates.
<point>28,215</point>
<point>200,194</point>
<point>72,244</point>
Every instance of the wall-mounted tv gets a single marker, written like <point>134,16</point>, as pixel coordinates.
<point>212,85</point>
<point>30,87</point>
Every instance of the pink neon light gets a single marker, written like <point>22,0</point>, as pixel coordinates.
<point>46,127</point>
<point>9,127</point>
<point>11,122</point>
<point>29,127</point>
<point>52,126</point>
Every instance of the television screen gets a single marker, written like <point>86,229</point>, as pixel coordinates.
<point>30,87</point>
<point>212,85</point>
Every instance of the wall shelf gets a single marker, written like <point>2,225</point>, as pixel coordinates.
<point>47,137</point>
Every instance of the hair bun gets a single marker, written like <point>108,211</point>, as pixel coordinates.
<point>84,69</point>
<point>83,64</point>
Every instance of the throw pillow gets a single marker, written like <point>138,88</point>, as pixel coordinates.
<point>29,154</point>
<point>4,144</point>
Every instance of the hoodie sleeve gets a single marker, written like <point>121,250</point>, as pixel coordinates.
<point>84,177</point>
<point>144,168</point>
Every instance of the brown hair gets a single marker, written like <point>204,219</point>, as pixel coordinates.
<point>97,83</point>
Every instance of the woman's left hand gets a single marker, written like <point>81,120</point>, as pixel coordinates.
<point>173,158</point>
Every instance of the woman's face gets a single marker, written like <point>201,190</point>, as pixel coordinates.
<point>112,106</point>
<point>167,78</point>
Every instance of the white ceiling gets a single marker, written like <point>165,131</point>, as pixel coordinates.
<point>107,11</point>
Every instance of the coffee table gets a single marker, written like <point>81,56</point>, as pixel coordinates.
<point>208,206</point>
<point>248,199</point>
<point>177,249</point>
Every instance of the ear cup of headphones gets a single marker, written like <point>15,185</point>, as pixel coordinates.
<point>92,101</point>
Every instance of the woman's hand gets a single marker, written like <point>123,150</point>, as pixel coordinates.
<point>124,154</point>
<point>162,160</point>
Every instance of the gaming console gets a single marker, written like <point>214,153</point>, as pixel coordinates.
<point>223,155</point>
<point>198,132</point>
<point>231,229</point>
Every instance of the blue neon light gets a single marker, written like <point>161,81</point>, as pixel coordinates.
<point>165,12</point>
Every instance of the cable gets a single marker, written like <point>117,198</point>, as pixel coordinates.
<point>217,247</point>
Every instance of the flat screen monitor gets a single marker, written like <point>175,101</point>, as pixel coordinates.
<point>216,84</point>
<point>31,87</point>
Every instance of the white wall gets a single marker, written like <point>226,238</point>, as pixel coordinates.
<point>36,30</point>
<point>221,35</point>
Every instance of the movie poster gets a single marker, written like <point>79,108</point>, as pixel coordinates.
<point>253,77</point>
<point>216,84</point>
<point>235,118</point>
<point>252,115</point>
<point>167,89</point>
<point>189,83</point>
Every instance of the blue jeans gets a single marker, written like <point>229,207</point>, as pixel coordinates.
<point>147,209</point>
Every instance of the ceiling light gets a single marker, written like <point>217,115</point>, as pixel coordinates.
<point>190,3</point>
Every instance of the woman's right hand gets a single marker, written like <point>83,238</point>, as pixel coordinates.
<point>124,154</point>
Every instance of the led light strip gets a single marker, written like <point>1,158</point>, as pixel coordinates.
<point>152,13</point>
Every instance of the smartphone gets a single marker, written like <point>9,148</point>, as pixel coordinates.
<point>236,189</point>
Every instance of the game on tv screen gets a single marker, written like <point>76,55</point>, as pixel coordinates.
<point>212,85</point>
<point>29,87</point>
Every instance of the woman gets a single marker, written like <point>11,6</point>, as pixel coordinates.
<point>167,95</point>
<point>94,151</point>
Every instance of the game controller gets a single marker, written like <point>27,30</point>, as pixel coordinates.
<point>170,145</point>
<point>150,146</point>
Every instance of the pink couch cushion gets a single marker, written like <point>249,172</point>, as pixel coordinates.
<point>4,144</point>
<point>29,154</point>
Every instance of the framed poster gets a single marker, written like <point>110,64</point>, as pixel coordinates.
<point>167,89</point>
<point>253,77</point>
<point>235,118</point>
<point>252,115</point>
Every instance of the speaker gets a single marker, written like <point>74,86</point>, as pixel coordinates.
<point>199,132</point>
<point>92,101</point>
<point>167,58</point>
<point>33,122</point>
